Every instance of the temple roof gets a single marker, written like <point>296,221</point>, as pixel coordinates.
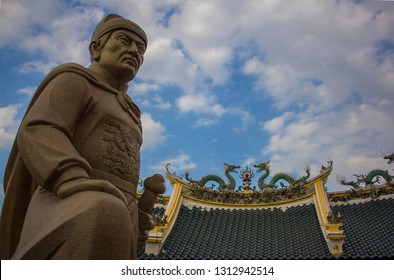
<point>245,234</point>
<point>298,221</point>
<point>278,233</point>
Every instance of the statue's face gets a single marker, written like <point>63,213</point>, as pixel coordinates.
<point>122,55</point>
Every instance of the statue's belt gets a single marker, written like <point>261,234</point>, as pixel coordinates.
<point>120,183</point>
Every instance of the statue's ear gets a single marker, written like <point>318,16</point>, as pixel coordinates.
<point>95,50</point>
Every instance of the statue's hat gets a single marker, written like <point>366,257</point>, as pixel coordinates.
<point>112,22</point>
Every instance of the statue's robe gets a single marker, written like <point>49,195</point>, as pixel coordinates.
<point>75,128</point>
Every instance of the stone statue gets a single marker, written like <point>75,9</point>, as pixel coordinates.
<point>71,178</point>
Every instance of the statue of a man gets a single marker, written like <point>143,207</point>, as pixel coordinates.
<point>70,183</point>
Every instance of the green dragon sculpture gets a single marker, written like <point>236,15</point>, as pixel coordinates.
<point>371,178</point>
<point>365,180</point>
<point>221,183</point>
<point>277,177</point>
<point>260,167</point>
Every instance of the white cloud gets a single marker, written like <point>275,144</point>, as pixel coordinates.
<point>200,103</point>
<point>146,95</point>
<point>246,118</point>
<point>276,124</point>
<point>141,88</point>
<point>10,29</point>
<point>37,66</point>
<point>8,125</point>
<point>180,162</point>
<point>213,62</point>
<point>249,161</point>
<point>160,103</point>
<point>203,122</point>
<point>352,137</point>
<point>153,132</point>
<point>154,101</point>
<point>333,43</point>
<point>165,64</point>
<point>29,91</point>
<point>57,37</point>
<point>204,104</point>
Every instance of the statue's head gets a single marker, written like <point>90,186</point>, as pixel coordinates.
<point>118,45</point>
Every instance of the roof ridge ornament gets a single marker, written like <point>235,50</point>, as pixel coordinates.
<point>281,188</point>
<point>246,175</point>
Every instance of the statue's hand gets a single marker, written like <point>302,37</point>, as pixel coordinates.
<point>84,184</point>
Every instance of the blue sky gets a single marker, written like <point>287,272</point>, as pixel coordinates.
<point>242,82</point>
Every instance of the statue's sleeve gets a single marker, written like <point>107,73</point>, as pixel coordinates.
<point>45,137</point>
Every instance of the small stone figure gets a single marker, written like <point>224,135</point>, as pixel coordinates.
<point>70,182</point>
<point>334,217</point>
<point>153,187</point>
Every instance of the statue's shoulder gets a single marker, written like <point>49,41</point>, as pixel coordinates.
<point>68,68</point>
<point>71,73</point>
<point>74,76</point>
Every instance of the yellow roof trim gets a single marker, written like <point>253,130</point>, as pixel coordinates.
<point>252,205</point>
